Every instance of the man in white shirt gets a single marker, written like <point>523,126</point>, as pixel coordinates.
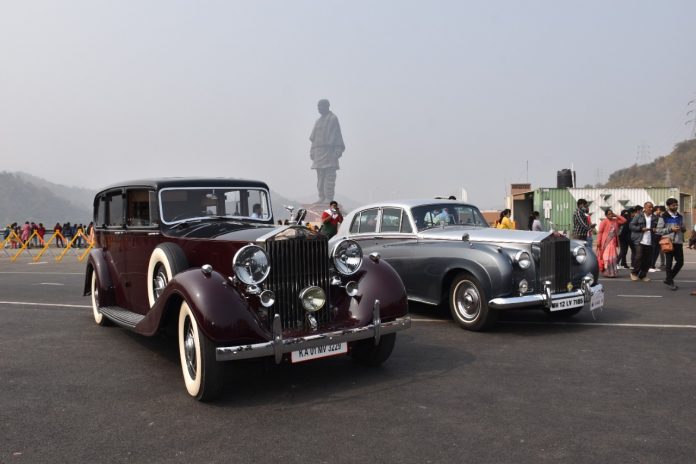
<point>642,227</point>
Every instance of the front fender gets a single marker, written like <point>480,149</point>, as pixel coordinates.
<point>489,264</point>
<point>96,262</point>
<point>379,281</point>
<point>222,313</point>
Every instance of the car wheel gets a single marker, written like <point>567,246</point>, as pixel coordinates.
<point>367,353</point>
<point>99,318</point>
<point>166,261</point>
<point>469,305</point>
<point>202,373</point>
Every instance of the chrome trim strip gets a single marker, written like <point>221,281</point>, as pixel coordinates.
<point>540,300</point>
<point>278,346</point>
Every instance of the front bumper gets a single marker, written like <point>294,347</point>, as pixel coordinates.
<point>545,300</point>
<point>279,346</point>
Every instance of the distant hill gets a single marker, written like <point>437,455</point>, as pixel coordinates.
<point>678,169</point>
<point>24,197</point>
<point>27,198</point>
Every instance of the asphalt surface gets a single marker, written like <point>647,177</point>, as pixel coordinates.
<point>535,389</point>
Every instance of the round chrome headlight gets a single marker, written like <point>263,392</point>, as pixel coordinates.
<point>347,257</point>
<point>523,259</point>
<point>251,265</point>
<point>313,298</point>
<point>580,254</point>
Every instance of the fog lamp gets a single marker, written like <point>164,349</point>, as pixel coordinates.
<point>313,298</point>
<point>523,286</point>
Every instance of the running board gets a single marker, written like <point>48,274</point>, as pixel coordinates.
<point>122,317</point>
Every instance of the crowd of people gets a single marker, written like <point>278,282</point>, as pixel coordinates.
<point>650,232</point>
<point>34,235</point>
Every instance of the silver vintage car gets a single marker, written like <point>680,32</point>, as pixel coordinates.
<point>444,250</point>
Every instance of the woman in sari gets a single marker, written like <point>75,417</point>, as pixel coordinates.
<point>608,241</point>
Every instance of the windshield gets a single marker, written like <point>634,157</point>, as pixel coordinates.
<point>447,214</point>
<point>185,204</point>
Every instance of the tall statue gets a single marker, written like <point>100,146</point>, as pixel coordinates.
<point>327,148</point>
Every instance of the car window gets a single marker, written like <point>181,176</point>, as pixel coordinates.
<point>405,223</point>
<point>180,204</point>
<point>141,208</point>
<point>391,220</point>
<point>100,211</point>
<point>368,221</point>
<point>447,214</point>
<point>355,225</point>
<point>114,215</point>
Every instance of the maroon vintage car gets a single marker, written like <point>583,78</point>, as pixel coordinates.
<point>203,256</point>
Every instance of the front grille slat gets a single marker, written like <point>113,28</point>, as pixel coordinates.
<point>297,263</point>
<point>555,263</point>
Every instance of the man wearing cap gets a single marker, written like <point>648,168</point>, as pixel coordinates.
<point>327,148</point>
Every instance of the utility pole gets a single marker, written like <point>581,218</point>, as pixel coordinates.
<point>643,153</point>
<point>691,121</point>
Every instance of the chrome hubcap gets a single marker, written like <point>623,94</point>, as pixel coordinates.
<point>190,349</point>
<point>467,300</point>
<point>159,282</point>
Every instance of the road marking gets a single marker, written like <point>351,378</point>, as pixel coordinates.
<point>42,273</point>
<point>640,296</point>
<point>429,320</point>
<point>50,283</point>
<point>23,303</point>
<point>606,324</point>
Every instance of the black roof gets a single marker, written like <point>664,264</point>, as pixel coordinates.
<point>169,182</point>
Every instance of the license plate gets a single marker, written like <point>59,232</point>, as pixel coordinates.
<point>597,300</point>
<point>317,352</point>
<point>567,303</point>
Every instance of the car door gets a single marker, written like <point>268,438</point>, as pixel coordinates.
<point>141,237</point>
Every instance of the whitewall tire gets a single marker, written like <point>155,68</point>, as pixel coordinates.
<point>166,261</point>
<point>99,318</point>
<point>202,373</point>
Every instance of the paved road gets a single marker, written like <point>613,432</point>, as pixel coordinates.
<point>534,390</point>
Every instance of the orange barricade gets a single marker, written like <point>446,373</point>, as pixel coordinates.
<point>12,238</point>
<point>25,247</point>
<point>69,247</point>
<point>47,244</point>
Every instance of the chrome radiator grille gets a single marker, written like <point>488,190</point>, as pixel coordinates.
<point>555,263</point>
<point>297,263</point>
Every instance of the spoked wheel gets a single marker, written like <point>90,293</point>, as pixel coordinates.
<point>202,373</point>
<point>469,305</point>
<point>166,261</point>
<point>99,318</point>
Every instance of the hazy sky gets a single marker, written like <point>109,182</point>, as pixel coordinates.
<point>432,96</point>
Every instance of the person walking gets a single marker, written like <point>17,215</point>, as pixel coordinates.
<point>331,219</point>
<point>607,242</point>
<point>642,228</point>
<point>41,231</point>
<point>583,228</point>
<point>58,234</point>
<point>692,239</point>
<point>504,221</point>
<point>26,233</point>
<point>535,223</point>
<point>671,224</point>
<point>657,251</point>
<point>625,242</point>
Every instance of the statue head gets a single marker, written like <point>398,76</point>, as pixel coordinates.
<point>323,106</point>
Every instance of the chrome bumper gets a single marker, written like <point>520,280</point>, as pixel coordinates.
<point>545,299</point>
<point>279,346</point>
